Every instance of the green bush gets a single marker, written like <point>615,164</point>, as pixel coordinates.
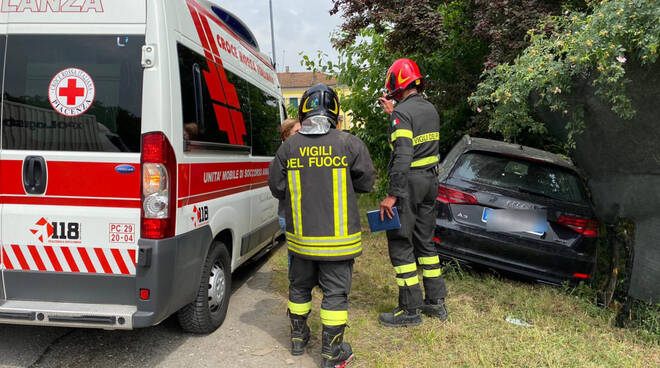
<point>576,45</point>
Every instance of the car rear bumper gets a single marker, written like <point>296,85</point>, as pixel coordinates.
<point>546,263</point>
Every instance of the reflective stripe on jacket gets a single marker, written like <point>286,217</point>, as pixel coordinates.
<point>317,176</point>
<point>414,135</point>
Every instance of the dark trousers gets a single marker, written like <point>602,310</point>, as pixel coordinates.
<point>334,279</point>
<point>413,242</point>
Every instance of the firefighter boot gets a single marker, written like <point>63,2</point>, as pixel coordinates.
<point>299,333</point>
<point>335,352</point>
<point>401,317</point>
<point>435,308</point>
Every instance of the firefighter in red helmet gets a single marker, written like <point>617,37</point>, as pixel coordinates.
<point>414,135</point>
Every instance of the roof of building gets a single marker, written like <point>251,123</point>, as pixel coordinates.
<point>304,79</point>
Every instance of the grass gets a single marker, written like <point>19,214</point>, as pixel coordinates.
<point>567,331</point>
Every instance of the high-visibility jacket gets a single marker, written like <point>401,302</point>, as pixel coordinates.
<point>318,176</point>
<point>414,134</point>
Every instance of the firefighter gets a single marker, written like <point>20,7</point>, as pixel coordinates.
<point>413,134</point>
<point>317,173</point>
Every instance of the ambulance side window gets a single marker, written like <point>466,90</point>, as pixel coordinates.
<point>265,113</point>
<point>242,88</point>
<point>200,121</point>
<point>222,111</point>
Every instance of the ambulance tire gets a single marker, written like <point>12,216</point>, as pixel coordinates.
<point>207,312</point>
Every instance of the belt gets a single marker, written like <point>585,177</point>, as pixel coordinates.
<point>435,169</point>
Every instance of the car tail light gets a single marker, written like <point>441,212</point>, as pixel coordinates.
<point>580,275</point>
<point>448,195</point>
<point>158,187</point>
<point>586,227</point>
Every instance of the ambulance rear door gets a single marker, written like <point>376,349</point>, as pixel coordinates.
<point>72,110</point>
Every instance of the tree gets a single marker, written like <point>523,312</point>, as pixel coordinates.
<point>411,26</point>
<point>578,45</point>
<point>504,24</point>
<point>451,64</point>
<point>451,40</point>
<point>292,111</point>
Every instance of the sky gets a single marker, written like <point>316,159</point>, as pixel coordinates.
<point>300,25</point>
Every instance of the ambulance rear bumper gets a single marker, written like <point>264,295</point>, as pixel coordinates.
<point>171,270</point>
<point>107,316</point>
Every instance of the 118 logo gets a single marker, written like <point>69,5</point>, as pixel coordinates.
<point>56,230</point>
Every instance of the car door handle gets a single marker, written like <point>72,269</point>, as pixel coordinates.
<point>35,175</point>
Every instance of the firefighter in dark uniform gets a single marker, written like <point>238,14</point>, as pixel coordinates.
<point>317,173</point>
<point>414,134</point>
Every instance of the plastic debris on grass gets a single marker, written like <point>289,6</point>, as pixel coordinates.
<point>518,322</point>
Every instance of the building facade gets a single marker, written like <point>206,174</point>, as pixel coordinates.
<point>294,84</point>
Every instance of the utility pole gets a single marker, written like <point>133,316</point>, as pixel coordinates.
<point>272,32</point>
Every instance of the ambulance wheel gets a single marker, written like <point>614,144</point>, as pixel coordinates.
<point>207,312</point>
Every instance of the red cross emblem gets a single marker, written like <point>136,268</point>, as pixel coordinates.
<point>71,91</point>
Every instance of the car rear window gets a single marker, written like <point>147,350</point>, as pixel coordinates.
<point>72,93</point>
<point>527,176</point>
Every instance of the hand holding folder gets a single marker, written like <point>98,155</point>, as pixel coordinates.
<point>388,224</point>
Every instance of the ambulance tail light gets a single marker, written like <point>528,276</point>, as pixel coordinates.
<point>158,187</point>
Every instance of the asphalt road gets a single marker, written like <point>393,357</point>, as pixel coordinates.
<point>255,334</point>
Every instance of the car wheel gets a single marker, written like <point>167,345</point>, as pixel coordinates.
<point>207,312</point>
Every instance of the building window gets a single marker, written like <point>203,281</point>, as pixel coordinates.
<point>293,101</point>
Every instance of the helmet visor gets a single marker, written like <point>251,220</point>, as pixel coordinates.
<point>317,124</point>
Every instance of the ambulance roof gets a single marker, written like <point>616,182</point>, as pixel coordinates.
<point>236,25</point>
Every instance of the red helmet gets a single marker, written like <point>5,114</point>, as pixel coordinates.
<point>402,75</point>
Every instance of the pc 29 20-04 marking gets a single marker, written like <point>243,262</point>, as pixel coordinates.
<point>122,233</point>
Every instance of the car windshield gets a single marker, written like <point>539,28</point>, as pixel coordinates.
<point>72,93</point>
<point>526,176</point>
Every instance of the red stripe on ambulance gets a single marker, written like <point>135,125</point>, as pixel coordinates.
<point>4,261</point>
<point>68,259</point>
<point>101,186</point>
<point>53,259</point>
<point>192,5</point>
<point>100,180</point>
<point>19,256</point>
<point>215,180</point>
<point>120,261</point>
<point>70,201</point>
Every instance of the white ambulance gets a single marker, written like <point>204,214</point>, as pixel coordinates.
<point>136,137</point>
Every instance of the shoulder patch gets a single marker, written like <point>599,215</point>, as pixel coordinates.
<point>395,122</point>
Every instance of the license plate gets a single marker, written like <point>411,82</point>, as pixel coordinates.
<point>531,222</point>
<point>484,216</point>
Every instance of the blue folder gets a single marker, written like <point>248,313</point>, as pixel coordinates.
<point>388,224</point>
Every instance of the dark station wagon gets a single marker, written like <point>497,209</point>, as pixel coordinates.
<point>516,209</point>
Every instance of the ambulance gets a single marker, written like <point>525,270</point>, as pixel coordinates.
<point>135,142</point>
